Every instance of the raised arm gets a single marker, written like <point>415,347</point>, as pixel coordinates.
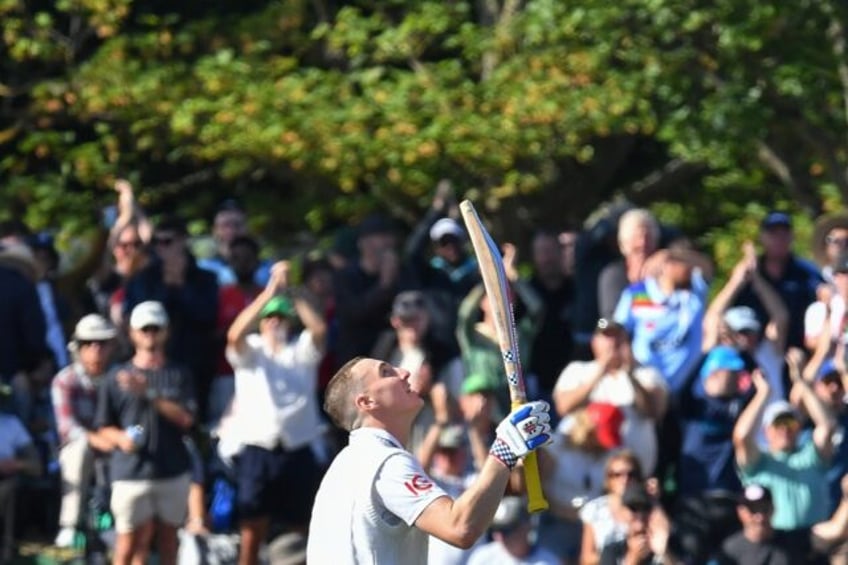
<point>313,321</point>
<point>742,273</point>
<point>237,334</point>
<point>778,325</point>
<point>824,424</point>
<point>744,432</point>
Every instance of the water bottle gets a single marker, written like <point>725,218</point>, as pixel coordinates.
<point>136,434</point>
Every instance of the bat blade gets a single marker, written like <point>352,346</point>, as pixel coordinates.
<point>498,291</point>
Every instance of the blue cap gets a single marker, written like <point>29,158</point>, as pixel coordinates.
<point>721,357</point>
<point>827,369</point>
<point>776,219</point>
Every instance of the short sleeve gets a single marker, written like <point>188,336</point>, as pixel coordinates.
<point>815,318</point>
<point>19,436</point>
<point>247,357</point>
<point>649,377</point>
<point>404,488</point>
<point>305,351</point>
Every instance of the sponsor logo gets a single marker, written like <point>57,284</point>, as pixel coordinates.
<point>418,484</point>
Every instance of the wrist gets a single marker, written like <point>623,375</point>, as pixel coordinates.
<point>501,451</point>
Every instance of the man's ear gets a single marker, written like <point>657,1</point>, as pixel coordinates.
<point>364,403</point>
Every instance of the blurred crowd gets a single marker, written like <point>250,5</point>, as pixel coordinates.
<point>155,402</point>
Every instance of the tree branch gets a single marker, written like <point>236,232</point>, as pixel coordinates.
<point>672,173</point>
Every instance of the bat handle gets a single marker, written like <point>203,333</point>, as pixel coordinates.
<point>536,501</point>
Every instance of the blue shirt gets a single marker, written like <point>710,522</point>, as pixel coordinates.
<point>667,330</point>
<point>225,275</point>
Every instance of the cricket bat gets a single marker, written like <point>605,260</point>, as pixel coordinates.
<point>497,289</point>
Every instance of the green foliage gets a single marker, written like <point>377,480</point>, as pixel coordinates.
<point>539,110</point>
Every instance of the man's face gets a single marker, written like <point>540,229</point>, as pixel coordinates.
<point>374,245</point>
<point>836,243</point>
<point>607,343</point>
<point>782,434</point>
<point>94,355</point>
<point>387,387</point>
<point>777,242</point>
<point>679,273</point>
<point>228,225</point>
<point>547,255</point>
<point>756,521</point>
<point>168,244</point>
<point>449,248</point>
<point>149,337</point>
<point>243,261</point>
<point>830,391</point>
<point>639,242</point>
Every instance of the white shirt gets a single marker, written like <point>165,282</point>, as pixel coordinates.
<point>597,514</point>
<point>13,436</point>
<point>637,432</point>
<point>275,399</point>
<point>367,505</point>
<point>816,316</point>
<point>576,474</point>
<point>494,553</point>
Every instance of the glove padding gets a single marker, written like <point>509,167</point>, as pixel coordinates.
<point>525,429</point>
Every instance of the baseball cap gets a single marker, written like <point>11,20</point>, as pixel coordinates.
<point>408,303</point>
<point>607,419</point>
<point>149,313</point>
<point>827,369</point>
<point>452,436</point>
<point>636,497</point>
<point>756,498</point>
<point>742,318</point>
<point>777,409</point>
<point>721,357</point>
<point>446,226</point>
<point>776,219</point>
<point>94,327</point>
<point>278,306</point>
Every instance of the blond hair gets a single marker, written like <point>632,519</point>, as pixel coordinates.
<point>339,396</point>
<point>633,219</point>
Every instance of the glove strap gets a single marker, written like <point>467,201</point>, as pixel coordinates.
<point>501,451</point>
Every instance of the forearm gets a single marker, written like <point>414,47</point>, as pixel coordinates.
<point>174,413</point>
<point>474,509</point>
<point>428,445</point>
<point>244,321</point>
<point>719,304</point>
<point>312,320</point>
<point>777,312</point>
<point>744,443</point>
<point>643,401</point>
<point>566,401</point>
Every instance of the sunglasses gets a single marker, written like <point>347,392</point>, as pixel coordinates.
<point>629,473</point>
<point>448,240</point>
<point>151,329</point>
<point>786,422</point>
<point>133,244</point>
<point>89,342</point>
<point>163,241</point>
<point>840,241</point>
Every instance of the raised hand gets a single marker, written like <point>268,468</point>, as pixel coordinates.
<point>525,429</point>
<point>510,252</point>
<point>279,279</point>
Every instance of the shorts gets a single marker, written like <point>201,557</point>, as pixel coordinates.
<point>276,483</point>
<point>134,503</point>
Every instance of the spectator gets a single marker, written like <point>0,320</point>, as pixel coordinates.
<point>55,306</point>
<point>276,410</point>
<point>794,279</point>
<point>447,273</point>
<point>318,280</point>
<point>410,345</point>
<point>794,473</point>
<point>707,483</point>
<point>24,355</point>
<point>230,222</point>
<point>648,532</point>
<point>190,297</point>
<point>830,240</point>
<point>144,409</point>
<point>760,346</point>
<point>638,239</point>
<point>74,394</point>
<point>664,314</point>
<point>605,518</point>
<point>18,458</point>
<point>232,299</point>
<point>825,321</point>
<point>568,248</point>
<point>572,469</point>
<point>512,538</point>
<point>129,236</point>
<point>758,542</point>
<point>613,377</point>
<point>556,290</point>
<point>365,288</point>
<point>477,335</point>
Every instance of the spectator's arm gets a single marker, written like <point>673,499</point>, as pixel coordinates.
<point>744,432</point>
<point>778,325</point>
<point>174,412</point>
<point>609,290</point>
<point>466,315</point>
<point>824,424</point>
<point>835,529</point>
<point>742,273</point>
<point>589,552</point>
<point>311,317</point>
<point>237,334</point>
<point>566,400</point>
<point>441,414</point>
<point>66,425</point>
<point>821,353</point>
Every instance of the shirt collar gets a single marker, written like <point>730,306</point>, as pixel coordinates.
<point>366,434</point>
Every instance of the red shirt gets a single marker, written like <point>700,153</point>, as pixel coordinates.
<point>232,299</point>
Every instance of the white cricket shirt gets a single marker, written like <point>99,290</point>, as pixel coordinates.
<point>366,507</point>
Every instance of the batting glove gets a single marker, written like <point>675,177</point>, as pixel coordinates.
<point>525,429</point>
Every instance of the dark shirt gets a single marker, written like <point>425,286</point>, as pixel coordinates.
<point>797,287</point>
<point>553,343</point>
<point>161,453</point>
<point>613,554</point>
<point>737,549</point>
<point>611,283</point>
<point>22,325</point>
<point>707,460</point>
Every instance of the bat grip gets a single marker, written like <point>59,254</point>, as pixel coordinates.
<point>536,501</point>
